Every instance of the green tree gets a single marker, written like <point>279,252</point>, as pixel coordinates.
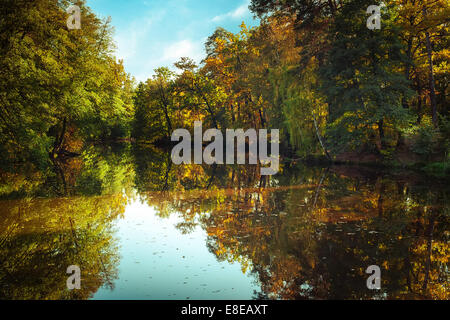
<point>362,82</point>
<point>54,79</point>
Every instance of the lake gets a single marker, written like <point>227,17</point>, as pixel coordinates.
<point>140,227</point>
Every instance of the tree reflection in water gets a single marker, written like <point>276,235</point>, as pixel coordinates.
<point>307,233</point>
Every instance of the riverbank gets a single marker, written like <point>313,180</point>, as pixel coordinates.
<point>436,167</point>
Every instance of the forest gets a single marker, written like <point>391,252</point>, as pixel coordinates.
<point>307,236</point>
<point>335,89</point>
<point>82,141</point>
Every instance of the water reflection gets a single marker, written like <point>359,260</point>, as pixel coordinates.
<point>142,228</point>
<point>40,238</point>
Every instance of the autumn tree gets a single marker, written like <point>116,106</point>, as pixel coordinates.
<point>54,79</point>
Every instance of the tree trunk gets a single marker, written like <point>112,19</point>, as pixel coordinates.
<point>208,107</point>
<point>60,139</point>
<point>419,97</point>
<point>407,70</point>
<point>263,122</point>
<point>165,106</point>
<point>429,252</point>
<point>169,123</point>
<point>381,133</point>
<point>380,199</point>
<point>431,76</point>
<point>320,138</point>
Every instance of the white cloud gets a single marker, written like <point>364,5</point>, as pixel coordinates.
<point>238,13</point>
<point>129,40</point>
<point>168,54</point>
<point>183,48</point>
<point>159,36</point>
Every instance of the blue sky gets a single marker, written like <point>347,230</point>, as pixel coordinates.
<point>154,33</point>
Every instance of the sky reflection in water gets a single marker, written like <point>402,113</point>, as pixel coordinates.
<point>159,262</point>
<point>142,228</point>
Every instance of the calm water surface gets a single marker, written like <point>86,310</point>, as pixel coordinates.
<point>142,228</point>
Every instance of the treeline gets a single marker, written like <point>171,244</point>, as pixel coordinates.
<point>58,87</point>
<point>315,71</point>
<point>312,69</point>
<point>248,218</point>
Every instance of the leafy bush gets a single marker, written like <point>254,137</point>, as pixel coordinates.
<point>425,137</point>
<point>440,169</point>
